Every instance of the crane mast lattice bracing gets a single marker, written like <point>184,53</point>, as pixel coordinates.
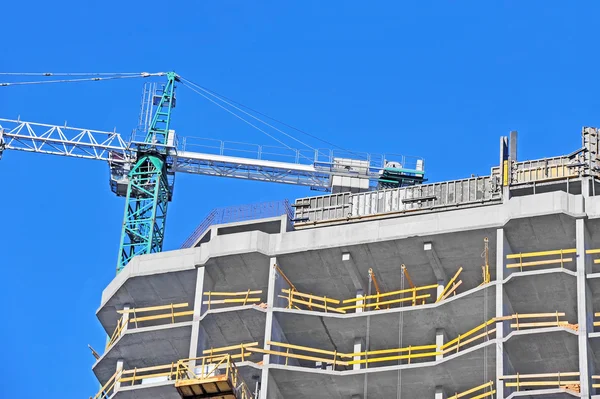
<point>149,190</point>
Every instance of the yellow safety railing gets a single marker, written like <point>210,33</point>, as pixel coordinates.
<point>116,333</point>
<point>107,390</point>
<point>483,387</point>
<point>596,323</point>
<point>546,380</point>
<point>560,260</point>
<point>594,252</point>
<point>335,358</point>
<point>451,287</point>
<point>314,355</point>
<point>134,317</point>
<point>232,350</point>
<point>457,343</point>
<point>408,353</point>
<point>206,369</point>
<point>296,298</point>
<point>415,297</point>
<point>246,299</point>
<point>211,371</point>
<point>554,321</point>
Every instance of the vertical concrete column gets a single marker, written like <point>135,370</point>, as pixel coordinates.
<point>197,342</point>
<point>440,339</point>
<point>440,393</point>
<point>271,296</point>
<point>440,288</point>
<point>359,346</point>
<point>126,317</point>
<point>502,360</point>
<point>586,186</point>
<point>584,308</point>
<point>117,376</point>
<point>360,294</point>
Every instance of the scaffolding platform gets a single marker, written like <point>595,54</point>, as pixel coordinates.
<point>217,387</point>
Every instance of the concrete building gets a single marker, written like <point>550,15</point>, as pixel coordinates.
<point>498,297</point>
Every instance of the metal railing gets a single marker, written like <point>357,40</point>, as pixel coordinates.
<point>545,380</point>
<point>324,158</point>
<point>239,213</point>
<point>413,296</point>
<point>231,298</point>
<point>310,301</point>
<point>547,320</point>
<point>487,388</point>
<point>560,260</point>
<point>185,373</point>
<point>133,317</point>
<point>467,338</point>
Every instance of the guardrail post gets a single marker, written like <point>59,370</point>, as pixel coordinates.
<point>198,339</point>
<point>125,320</point>
<point>359,346</point>
<point>584,308</point>
<point>360,294</point>
<point>503,307</point>
<point>440,339</point>
<point>117,385</point>
<point>274,287</point>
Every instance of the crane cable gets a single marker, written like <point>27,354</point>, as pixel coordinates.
<point>215,94</point>
<point>244,120</point>
<point>92,78</point>
<point>189,82</point>
<point>68,73</point>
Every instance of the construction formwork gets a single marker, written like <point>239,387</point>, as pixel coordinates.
<point>476,288</point>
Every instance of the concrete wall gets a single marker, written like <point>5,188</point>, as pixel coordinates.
<point>333,261</point>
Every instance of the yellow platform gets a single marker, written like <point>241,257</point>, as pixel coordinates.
<point>217,387</point>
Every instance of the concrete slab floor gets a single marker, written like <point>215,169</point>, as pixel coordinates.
<point>150,290</point>
<point>322,272</point>
<point>594,341</point>
<point>146,347</point>
<point>233,326</point>
<point>414,381</point>
<point>238,272</point>
<point>593,282</point>
<point>329,331</point>
<point>544,393</point>
<point>543,350</point>
<point>541,233</point>
<point>543,291</point>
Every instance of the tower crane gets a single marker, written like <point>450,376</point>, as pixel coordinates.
<point>143,168</point>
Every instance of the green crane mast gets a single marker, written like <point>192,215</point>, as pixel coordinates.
<point>150,186</point>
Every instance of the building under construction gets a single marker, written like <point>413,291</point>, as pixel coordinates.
<point>473,288</point>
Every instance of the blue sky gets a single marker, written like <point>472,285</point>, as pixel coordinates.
<point>438,79</point>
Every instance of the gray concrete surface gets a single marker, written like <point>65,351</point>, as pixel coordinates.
<point>145,347</point>
<point>241,258</point>
<point>417,381</point>
<point>330,331</point>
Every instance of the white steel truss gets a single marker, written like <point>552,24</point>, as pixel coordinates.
<point>109,146</point>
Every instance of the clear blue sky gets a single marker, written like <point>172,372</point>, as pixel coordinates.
<point>439,79</point>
